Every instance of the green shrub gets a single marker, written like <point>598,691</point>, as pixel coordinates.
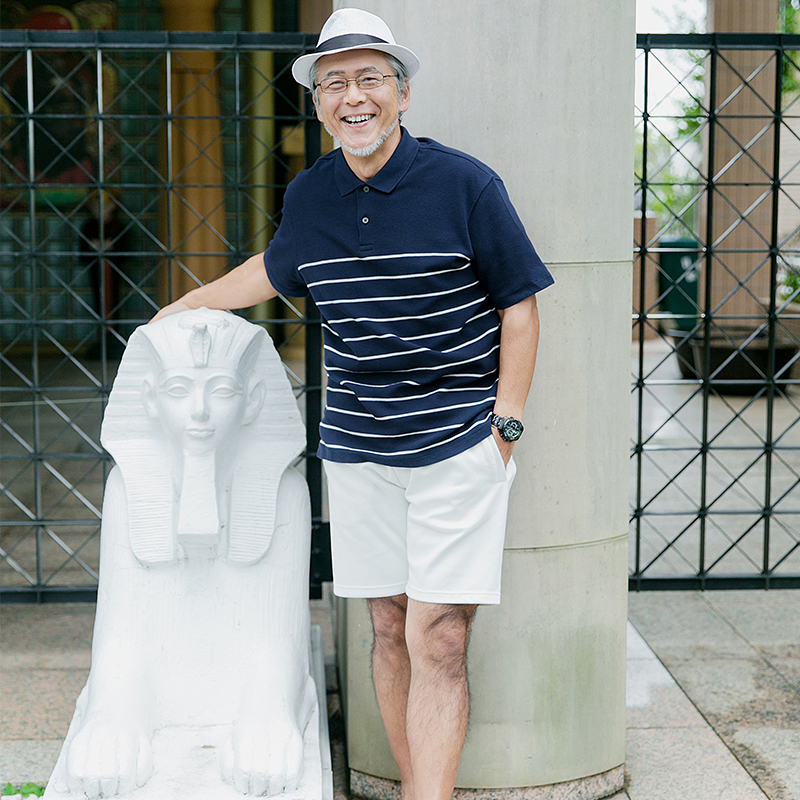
<point>26,790</point>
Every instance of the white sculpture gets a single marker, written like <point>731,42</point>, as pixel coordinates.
<point>202,627</point>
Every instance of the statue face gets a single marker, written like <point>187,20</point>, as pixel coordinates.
<point>200,409</point>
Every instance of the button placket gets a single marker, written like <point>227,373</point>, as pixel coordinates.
<point>365,215</point>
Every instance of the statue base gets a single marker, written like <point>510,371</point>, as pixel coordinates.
<point>186,759</point>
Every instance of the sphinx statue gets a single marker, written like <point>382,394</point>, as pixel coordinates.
<point>201,639</point>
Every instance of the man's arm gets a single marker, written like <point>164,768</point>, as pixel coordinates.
<point>242,287</point>
<point>519,341</point>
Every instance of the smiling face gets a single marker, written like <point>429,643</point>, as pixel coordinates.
<point>365,122</point>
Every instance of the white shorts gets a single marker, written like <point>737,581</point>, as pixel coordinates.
<point>434,533</point>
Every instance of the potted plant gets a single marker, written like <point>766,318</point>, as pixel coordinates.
<point>787,297</point>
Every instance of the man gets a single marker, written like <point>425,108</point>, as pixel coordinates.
<point>426,283</point>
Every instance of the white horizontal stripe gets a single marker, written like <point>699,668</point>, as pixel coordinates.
<point>379,355</point>
<point>378,277</point>
<point>406,338</point>
<point>436,410</point>
<point>388,435</point>
<point>348,339</point>
<point>408,383</point>
<point>478,357</point>
<point>443,390</point>
<point>472,341</point>
<point>413,316</point>
<point>381,258</point>
<point>395,298</point>
<point>378,385</point>
<point>406,452</point>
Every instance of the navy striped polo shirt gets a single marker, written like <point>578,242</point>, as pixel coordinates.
<point>408,271</point>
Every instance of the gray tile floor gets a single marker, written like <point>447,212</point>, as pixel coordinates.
<point>734,656</point>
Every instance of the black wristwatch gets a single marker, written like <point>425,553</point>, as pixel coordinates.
<point>510,429</point>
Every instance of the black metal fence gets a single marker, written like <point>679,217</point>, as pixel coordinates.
<point>716,324</point>
<point>108,142</point>
<point>132,167</point>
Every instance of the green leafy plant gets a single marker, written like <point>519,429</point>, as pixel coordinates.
<point>673,142</point>
<point>26,790</point>
<point>673,183</point>
<point>788,282</point>
<point>790,23</point>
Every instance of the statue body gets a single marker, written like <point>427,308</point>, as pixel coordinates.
<point>202,627</point>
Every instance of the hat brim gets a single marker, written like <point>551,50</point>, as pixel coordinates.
<point>301,68</point>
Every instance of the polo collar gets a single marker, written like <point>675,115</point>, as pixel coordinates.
<point>389,175</point>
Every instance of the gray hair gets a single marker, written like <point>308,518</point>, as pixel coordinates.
<point>397,67</point>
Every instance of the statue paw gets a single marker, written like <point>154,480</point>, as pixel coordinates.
<point>108,758</point>
<point>263,758</point>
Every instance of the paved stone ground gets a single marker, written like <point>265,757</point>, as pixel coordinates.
<point>735,661</point>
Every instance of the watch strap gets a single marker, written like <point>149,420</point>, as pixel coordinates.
<point>506,426</point>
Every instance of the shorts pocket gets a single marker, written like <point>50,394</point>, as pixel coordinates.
<point>496,459</point>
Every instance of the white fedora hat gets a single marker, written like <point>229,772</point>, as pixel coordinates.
<point>353,29</point>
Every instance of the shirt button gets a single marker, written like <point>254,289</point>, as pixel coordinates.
<point>366,188</point>
<point>365,220</point>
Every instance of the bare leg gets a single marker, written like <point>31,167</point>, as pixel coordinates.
<point>391,674</point>
<point>438,700</point>
<point>421,683</point>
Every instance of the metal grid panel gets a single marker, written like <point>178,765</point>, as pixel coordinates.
<point>111,145</point>
<point>716,404</point>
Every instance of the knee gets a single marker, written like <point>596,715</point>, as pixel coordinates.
<point>389,621</point>
<point>441,642</point>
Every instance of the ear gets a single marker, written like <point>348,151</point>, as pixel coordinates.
<point>316,104</point>
<point>149,398</point>
<point>405,97</point>
<point>255,400</point>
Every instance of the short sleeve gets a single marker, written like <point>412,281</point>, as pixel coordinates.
<point>280,261</point>
<point>504,258</point>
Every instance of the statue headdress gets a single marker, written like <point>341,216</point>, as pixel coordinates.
<point>202,338</point>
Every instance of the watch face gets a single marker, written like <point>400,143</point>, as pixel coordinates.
<point>511,430</point>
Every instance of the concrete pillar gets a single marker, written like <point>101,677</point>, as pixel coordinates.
<point>745,95</point>
<point>542,91</point>
<point>193,225</point>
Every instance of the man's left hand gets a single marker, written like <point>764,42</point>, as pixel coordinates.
<point>505,448</point>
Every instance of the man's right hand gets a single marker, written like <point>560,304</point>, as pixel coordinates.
<point>245,286</point>
<point>173,308</point>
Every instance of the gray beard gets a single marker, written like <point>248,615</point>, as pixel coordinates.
<point>368,150</point>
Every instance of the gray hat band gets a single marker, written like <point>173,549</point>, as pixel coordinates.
<point>348,40</point>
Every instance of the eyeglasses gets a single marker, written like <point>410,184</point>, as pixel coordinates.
<point>364,82</point>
